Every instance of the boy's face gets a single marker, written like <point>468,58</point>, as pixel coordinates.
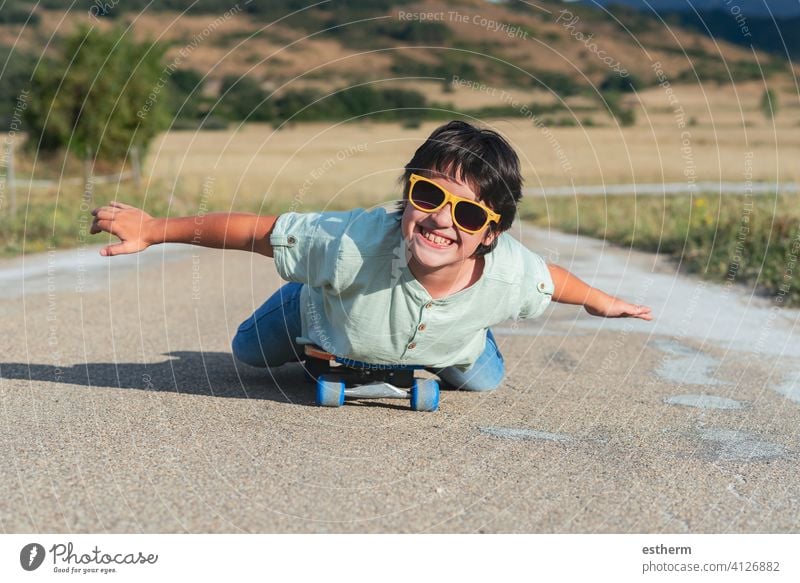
<point>433,239</point>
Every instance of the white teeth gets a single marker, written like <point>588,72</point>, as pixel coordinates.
<point>435,238</point>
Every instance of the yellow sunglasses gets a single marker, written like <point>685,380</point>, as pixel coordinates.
<point>469,216</point>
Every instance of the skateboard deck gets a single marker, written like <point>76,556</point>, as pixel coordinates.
<point>338,379</point>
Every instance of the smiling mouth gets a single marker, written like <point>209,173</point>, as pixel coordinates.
<point>434,239</point>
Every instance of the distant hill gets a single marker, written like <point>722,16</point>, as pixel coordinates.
<point>359,40</point>
<point>291,50</point>
<point>776,8</point>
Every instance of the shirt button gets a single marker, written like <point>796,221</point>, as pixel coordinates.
<point>541,286</point>
<point>412,346</point>
<point>421,327</point>
<point>291,240</point>
<point>429,305</point>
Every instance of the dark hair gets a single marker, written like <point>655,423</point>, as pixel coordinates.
<point>480,157</point>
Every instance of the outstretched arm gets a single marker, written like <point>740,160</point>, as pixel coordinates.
<point>137,230</point>
<point>571,290</point>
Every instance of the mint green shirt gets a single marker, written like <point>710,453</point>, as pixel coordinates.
<point>362,302</point>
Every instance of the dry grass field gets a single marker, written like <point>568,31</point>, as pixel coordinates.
<point>254,167</point>
<point>312,166</point>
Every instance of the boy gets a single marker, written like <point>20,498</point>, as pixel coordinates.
<point>421,285</point>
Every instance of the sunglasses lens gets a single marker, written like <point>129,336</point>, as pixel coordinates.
<point>426,196</point>
<point>470,216</point>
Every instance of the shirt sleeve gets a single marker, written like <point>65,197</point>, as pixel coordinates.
<point>537,285</point>
<point>306,246</point>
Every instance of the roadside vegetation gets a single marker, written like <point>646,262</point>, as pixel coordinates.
<point>752,241</point>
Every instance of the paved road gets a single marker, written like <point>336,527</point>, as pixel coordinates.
<point>123,411</point>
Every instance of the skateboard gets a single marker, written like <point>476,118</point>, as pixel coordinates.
<point>337,379</point>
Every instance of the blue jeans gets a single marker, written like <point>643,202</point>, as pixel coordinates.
<point>267,338</point>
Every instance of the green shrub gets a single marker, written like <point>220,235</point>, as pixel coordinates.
<point>614,82</point>
<point>15,12</point>
<point>558,83</point>
<point>626,116</point>
<point>185,96</point>
<point>769,103</point>
<point>102,94</point>
<point>241,98</point>
<point>350,102</point>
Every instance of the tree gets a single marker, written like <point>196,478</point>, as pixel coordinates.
<point>614,82</point>
<point>185,94</point>
<point>103,94</point>
<point>626,116</point>
<point>769,104</point>
<point>14,80</point>
<point>243,99</point>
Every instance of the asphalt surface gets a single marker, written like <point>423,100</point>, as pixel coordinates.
<point>122,410</point>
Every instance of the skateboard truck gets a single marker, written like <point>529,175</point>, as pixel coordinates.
<point>339,378</point>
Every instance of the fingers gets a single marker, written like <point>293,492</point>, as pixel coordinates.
<point>122,248</point>
<point>105,220</point>
<point>98,226</point>
<point>120,205</point>
<point>625,310</point>
<point>104,217</point>
<point>105,213</point>
<point>113,207</point>
<point>111,250</point>
<point>643,312</point>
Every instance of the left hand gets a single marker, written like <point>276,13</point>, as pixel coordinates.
<point>617,308</point>
<point>131,225</point>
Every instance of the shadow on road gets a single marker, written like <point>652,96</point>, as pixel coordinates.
<point>214,374</point>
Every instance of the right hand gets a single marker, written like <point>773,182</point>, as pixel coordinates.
<point>133,227</point>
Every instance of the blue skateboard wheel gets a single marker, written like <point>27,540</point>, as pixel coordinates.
<point>330,393</point>
<point>425,395</point>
